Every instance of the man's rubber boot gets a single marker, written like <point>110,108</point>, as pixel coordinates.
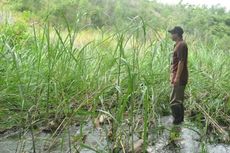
<point>177,113</point>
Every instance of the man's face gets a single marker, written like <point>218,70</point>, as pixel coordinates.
<point>174,36</point>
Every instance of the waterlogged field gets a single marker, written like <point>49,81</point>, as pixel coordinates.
<point>54,79</point>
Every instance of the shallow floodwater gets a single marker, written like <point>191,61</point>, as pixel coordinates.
<point>95,138</point>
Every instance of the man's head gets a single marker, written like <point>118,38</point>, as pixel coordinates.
<point>176,33</point>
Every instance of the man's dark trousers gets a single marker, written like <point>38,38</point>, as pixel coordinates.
<point>176,103</point>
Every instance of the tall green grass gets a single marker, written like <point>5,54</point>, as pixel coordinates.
<point>46,71</point>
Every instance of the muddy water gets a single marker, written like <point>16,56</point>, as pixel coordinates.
<point>188,140</point>
<point>95,138</point>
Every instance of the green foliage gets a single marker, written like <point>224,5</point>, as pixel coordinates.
<point>204,23</point>
<point>121,65</point>
<point>15,34</point>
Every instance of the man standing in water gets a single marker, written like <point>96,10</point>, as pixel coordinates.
<point>179,74</point>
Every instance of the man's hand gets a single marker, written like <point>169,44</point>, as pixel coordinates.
<point>176,81</point>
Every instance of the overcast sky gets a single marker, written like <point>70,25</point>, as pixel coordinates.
<point>224,3</point>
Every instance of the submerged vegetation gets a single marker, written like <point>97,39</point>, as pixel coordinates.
<point>59,68</point>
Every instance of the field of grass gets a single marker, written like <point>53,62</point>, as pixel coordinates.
<point>48,74</point>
